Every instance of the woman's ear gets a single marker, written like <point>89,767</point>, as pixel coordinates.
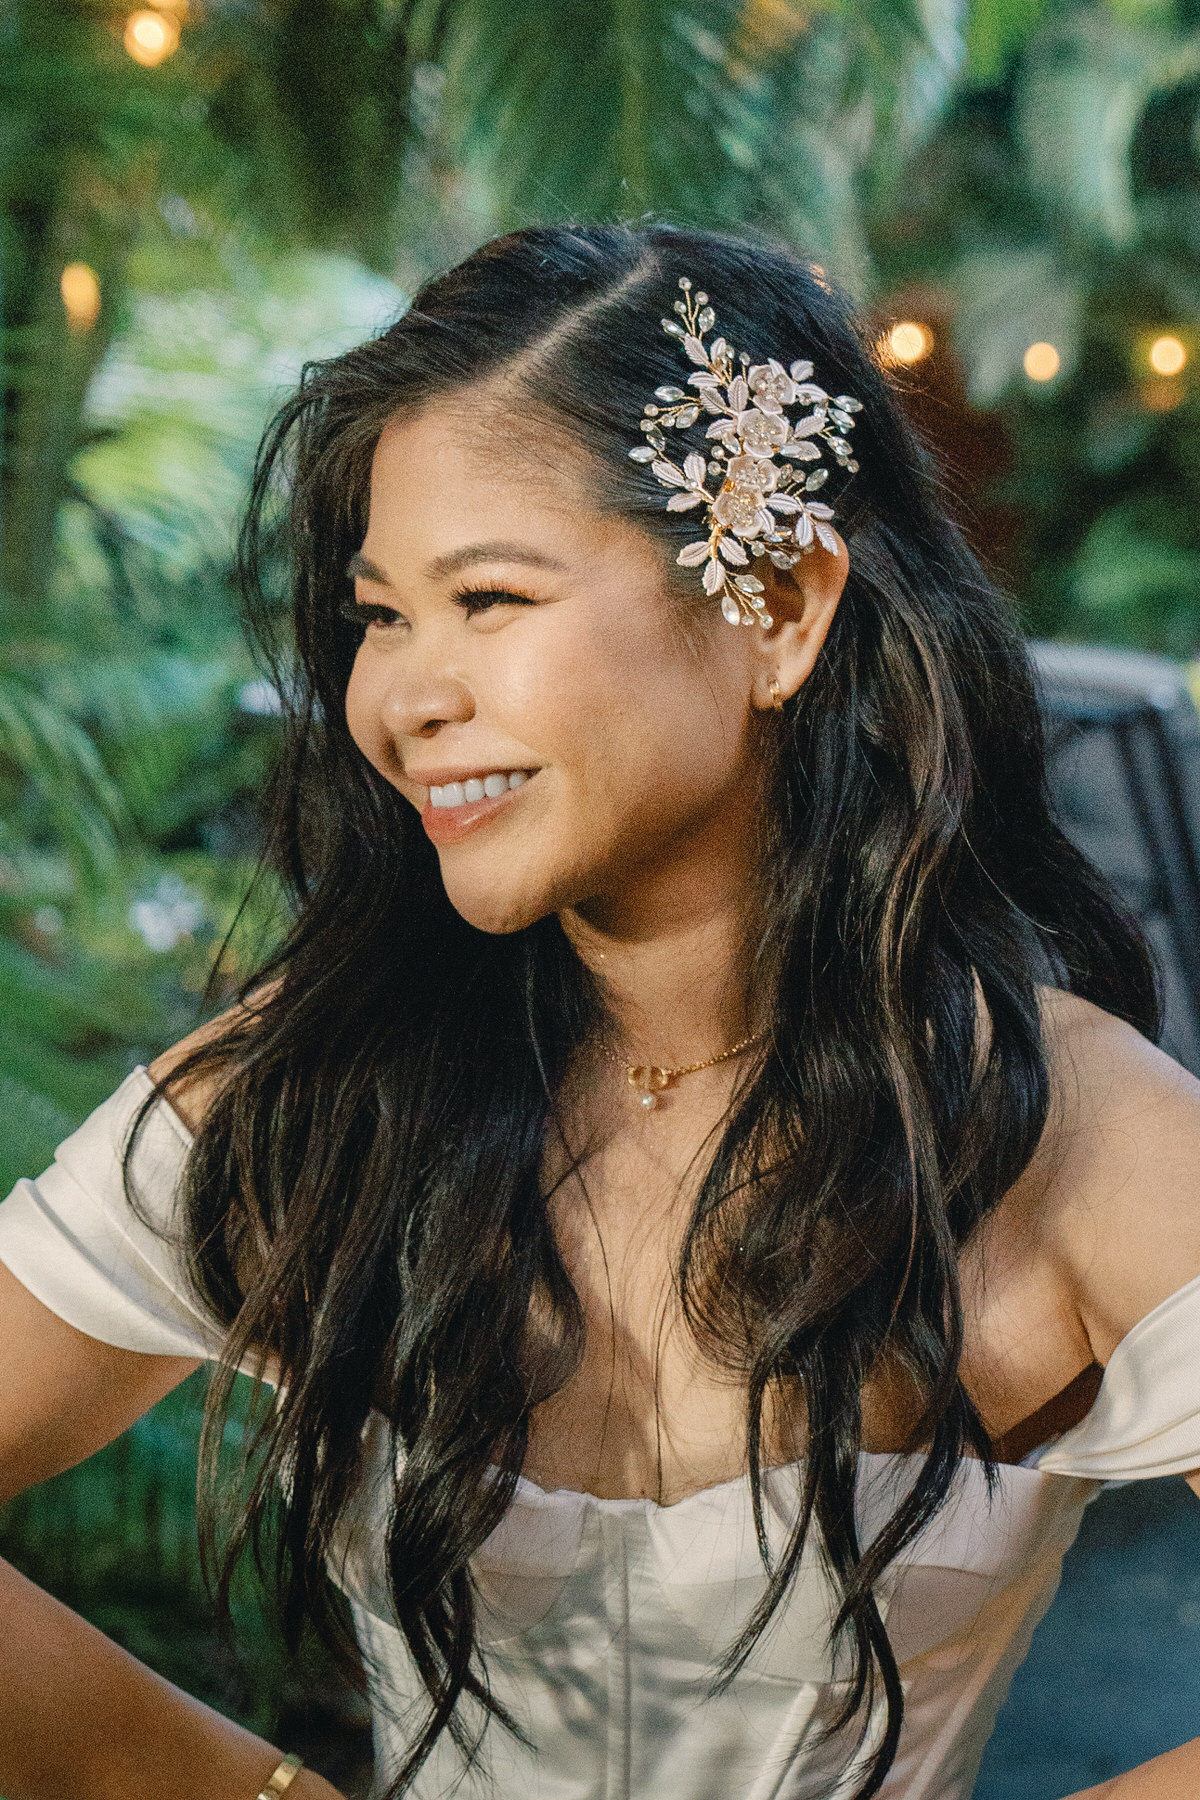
<point>802,602</point>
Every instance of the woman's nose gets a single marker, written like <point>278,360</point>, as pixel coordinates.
<point>417,706</point>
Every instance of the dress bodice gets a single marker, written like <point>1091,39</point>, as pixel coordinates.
<point>603,1622</point>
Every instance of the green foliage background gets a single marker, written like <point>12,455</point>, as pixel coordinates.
<point>1008,170</point>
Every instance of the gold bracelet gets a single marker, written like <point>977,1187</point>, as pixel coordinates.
<point>282,1779</point>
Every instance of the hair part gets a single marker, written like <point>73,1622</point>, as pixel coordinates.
<point>365,1199</point>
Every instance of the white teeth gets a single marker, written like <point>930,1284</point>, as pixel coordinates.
<point>461,793</point>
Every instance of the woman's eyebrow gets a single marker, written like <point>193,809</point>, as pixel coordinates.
<point>496,550</point>
<point>362,568</point>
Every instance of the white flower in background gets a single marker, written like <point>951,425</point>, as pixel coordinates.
<point>171,912</point>
<point>260,698</point>
<point>756,506</point>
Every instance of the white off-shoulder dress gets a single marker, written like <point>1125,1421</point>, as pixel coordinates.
<point>603,1620</point>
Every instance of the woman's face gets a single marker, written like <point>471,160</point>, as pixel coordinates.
<point>520,639</point>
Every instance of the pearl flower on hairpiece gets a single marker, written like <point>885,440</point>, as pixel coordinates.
<point>758,503</point>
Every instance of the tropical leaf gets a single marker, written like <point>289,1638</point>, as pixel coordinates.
<point>850,103</point>
<point>47,747</point>
<point>176,408</point>
<point>1083,89</point>
<point>810,186</point>
<point>906,58</point>
<point>314,93</point>
<point>997,30</point>
<point>72,1003</point>
<point>570,107</point>
<point>576,109</point>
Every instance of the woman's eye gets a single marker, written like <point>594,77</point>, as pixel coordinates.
<point>478,600</point>
<point>363,615</point>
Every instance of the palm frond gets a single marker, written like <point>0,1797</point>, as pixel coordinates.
<point>729,112</point>
<point>1083,89</point>
<point>48,749</point>
<point>600,110</point>
<point>308,118</point>
<point>810,190</point>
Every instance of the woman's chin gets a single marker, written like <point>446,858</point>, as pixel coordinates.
<point>493,907</point>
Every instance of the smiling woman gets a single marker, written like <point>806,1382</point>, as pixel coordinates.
<point>723,1443</point>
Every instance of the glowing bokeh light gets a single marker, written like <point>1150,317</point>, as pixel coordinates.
<point>1167,356</point>
<point>1042,362</point>
<point>909,341</point>
<point>80,290</point>
<point>150,37</point>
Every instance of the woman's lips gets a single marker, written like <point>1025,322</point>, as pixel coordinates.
<point>450,824</point>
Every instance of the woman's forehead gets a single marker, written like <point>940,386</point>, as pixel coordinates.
<point>487,433</point>
<point>444,479</point>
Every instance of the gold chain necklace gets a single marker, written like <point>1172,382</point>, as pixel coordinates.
<point>649,1080</point>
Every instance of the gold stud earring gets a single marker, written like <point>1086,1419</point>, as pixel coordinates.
<point>776,696</point>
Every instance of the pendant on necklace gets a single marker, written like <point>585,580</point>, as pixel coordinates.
<point>649,1082</point>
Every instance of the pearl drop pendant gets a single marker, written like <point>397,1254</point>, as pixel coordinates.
<point>649,1101</point>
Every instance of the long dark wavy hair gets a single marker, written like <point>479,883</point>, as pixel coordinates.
<point>365,1200</point>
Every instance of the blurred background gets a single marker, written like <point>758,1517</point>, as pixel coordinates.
<point>198,196</point>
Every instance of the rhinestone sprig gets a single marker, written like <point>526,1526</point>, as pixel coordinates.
<point>756,461</point>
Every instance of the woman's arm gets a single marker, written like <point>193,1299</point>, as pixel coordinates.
<point>1118,1199</point>
<point>78,1715</point>
<point>64,1395</point>
<point>1122,1214</point>
<point>1175,1776</point>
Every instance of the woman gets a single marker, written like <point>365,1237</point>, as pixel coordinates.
<point>701,1140</point>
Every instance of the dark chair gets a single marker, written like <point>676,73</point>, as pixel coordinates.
<point>1124,754</point>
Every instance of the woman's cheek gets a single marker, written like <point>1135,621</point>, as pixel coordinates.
<point>364,720</point>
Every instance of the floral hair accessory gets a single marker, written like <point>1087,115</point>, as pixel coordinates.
<point>758,463</point>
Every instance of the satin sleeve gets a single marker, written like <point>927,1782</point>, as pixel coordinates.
<point>1145,1420</point>
<point>73,1239</point>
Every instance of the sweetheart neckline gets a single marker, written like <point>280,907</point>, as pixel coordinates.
<point>537,1495</point>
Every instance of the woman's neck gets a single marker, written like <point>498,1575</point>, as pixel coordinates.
<point>670,958</point>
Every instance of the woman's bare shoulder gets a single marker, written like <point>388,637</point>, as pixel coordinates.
<point>191,1094</point>
<point>1116,1178</point>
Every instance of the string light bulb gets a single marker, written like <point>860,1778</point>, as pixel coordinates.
<point>1167,356</point>
<point>79,286</point>
<point>1041,362</point>
<point>151,37</point>
<point>909,341</point>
